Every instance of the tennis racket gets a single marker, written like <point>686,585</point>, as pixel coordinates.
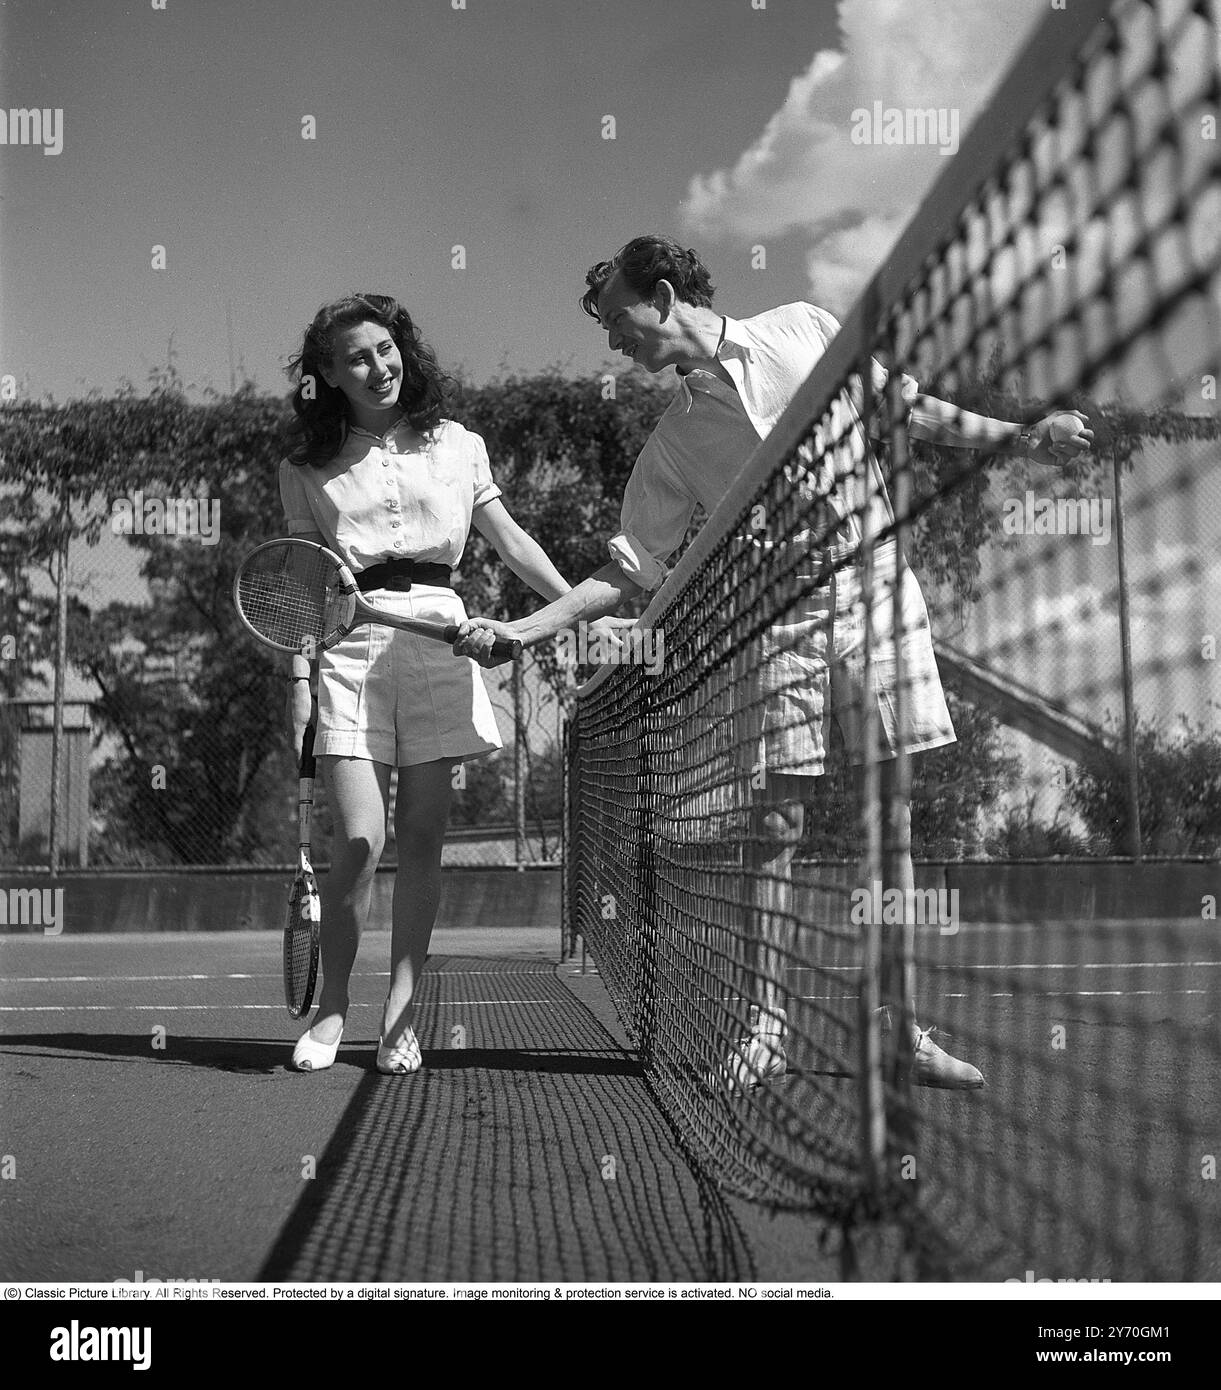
<point>302,929</point>
<point>298,596</point>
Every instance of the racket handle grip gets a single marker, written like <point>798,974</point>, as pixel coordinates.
<point>308,766</point>
<point>504,648</point>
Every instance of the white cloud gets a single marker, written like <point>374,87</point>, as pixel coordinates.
<point>840,262</point>
<point>804,171</point>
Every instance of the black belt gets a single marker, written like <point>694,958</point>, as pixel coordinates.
<point>402,574</point>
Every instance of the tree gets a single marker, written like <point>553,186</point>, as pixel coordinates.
<point>951,788</point>
<point>951,508</point>
<point>200,753</point>
<point>1179,779</point>
<point>26,626</point>
<point>485,796</point>
<point>1021,833</point>
<point>561,451</point>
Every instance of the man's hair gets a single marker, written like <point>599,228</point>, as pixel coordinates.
<point>644,261</point>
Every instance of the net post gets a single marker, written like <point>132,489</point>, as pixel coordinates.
<point>519,785</point>
<point>872,1097</point>
<point>900,871</point>
<point>646,876</point>
<point>1135,839</point>
<point>61,676</point>
<point>568,840</point>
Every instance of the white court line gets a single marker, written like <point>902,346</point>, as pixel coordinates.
<point>385,974</point>
<point>1117,965</point>
<point>149,979</point>
<point>1039,965</point>
<point>220,1008</point>
<point>1023,994</point>
<point>1094,993</point>
<point>551,1003</point>
<point>1048,994</point>
<point>124,979</point>
<point>138,1008</point>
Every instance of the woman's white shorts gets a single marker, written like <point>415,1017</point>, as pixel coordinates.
<point>399,699</point>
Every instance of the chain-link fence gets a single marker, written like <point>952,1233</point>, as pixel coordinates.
<point>1085,714</point>
<point>153,772</point>
<point>1092,645</point>
<point>171,719</point>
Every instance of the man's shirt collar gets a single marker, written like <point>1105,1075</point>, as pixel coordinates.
<point>736,341</point>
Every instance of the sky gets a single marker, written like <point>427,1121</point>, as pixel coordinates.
<point>481,127</point>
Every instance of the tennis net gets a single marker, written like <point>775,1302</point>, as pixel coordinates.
<point>1061,918</point>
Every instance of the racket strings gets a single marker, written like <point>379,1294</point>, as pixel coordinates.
<point>289,594</point>
<point>299,962</point>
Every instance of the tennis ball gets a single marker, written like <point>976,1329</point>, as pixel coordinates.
<point>1065,429</point>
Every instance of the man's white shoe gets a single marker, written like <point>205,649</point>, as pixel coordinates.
<point>933,1066</point>
<point>760,1056</point>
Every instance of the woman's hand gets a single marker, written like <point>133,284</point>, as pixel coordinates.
<point>475,638</point>
<point>302,709</point>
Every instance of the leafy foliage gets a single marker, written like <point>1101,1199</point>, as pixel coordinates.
<point>1179,792</point>
<point>185,690</point>
<point>561,452</point>
<point>951,788</point>
<point>1023,834</point>
<point>215,728</point>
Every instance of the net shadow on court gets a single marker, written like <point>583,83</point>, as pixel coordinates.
<point>1088,1158</point>
<point>527,1148</point>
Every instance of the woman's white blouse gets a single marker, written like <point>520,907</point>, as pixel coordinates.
<point>392,497</point>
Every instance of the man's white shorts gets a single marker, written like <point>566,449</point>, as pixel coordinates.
<point>803,673</point>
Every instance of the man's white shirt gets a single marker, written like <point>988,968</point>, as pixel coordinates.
<point>710,430</point>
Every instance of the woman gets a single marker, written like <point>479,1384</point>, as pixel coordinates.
<point>381,477</point>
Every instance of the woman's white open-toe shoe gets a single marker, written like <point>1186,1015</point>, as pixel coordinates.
<point>310,1055</point>
<point>402,1058</point>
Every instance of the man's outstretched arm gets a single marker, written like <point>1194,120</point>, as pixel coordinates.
<point>939,422</point>
<point>596,597</point>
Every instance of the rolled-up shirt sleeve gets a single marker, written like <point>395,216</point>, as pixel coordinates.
<point>657,511</point>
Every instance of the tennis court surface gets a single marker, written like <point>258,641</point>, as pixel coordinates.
<point>932,478</point>
<point>155,1127</point>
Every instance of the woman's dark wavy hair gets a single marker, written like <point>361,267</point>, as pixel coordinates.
<point>644,261</point>
<point>322,413</point>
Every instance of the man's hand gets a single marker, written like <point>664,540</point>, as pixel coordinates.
<point>1060,438</point>
<point>475,638</point>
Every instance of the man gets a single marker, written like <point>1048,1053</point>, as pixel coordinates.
<point>654,299</point>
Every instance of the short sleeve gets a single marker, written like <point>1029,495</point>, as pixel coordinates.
<point>656,513</point>
<point>485,486</point>
<point>298,516</point>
